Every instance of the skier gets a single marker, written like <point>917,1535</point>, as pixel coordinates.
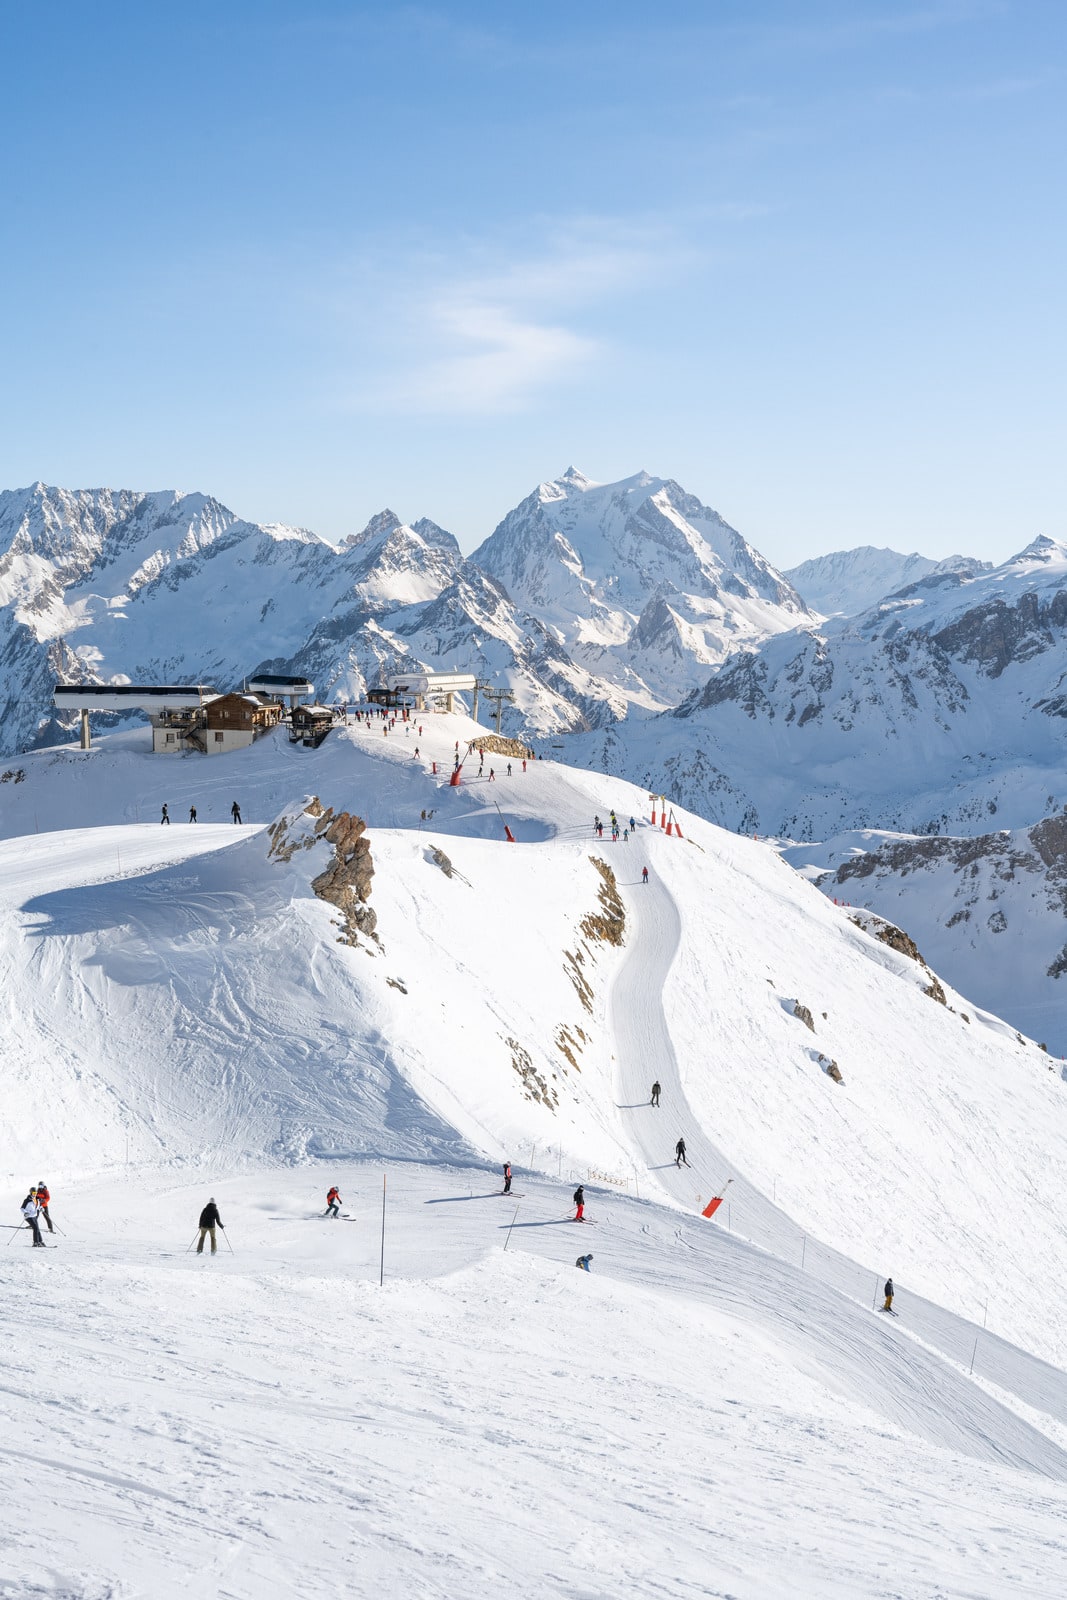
<point>644,874</point>
<point>888,1295</point>
<point>655,1094</point>
<point>192,813</point>
<point>600,830</point>
<point>507,1177</point>
<point>509,769</point>
<point>583,1262</point>
<point>626,836</point>
<point>209,1221</point>
<point>333,1202</point>
<point>679,1154</point>
<point>633,824</point>
<point>524,763</point>
<point>165,818</point>
<point>579,1201</point>
<point>596,824</point>
<point>43,1198</point>
<point>235,812</point>
<point>492,775</point>
<point>29,1211</point>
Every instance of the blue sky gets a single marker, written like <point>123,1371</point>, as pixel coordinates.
<point>318,258</point>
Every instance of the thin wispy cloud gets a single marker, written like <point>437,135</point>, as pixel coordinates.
<point>489,341</point>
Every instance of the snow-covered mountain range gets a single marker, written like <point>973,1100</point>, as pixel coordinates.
<point>937,710</point>
<point>638,580</point>
<point>849,581</point>
<point>586,600</point>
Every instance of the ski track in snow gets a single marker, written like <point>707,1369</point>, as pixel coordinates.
<point>645,1052</point>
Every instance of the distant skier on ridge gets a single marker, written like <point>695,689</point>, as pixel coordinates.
<point>235,812</point>
<point>888,1291</point>
<point>679,1154</point>
<point>579,1203</point>
<point>655,1094</point>
<point>507,1177</point>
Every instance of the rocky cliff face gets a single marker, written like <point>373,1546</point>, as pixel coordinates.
<point>344,880</point>
<point>989,911</point>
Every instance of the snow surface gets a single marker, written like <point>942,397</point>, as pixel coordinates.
<point>715,1410</point>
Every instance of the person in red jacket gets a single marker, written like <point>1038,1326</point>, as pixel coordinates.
<point>333,1203</point>
<point>43,1197</point>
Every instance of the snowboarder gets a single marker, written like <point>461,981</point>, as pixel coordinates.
<point>579,1202</point>
<point>655,1094</point>
<point>888,1295</point>
<point>209,1221</point>
<point>644,874</point>
<point>679,1154</point>
<point>235,812</point>
<point>165,818</point>
<point>43,1199</point>
<point>583,1262</point>
<point>29,1211</point>
<point>192,813</point>
<point>333,1202</point>
<point>507,1177</point>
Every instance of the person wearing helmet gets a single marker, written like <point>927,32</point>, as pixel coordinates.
<point>583,1262</point>
<point>43,1198</point>
<point>209,1221</point>
<point>334,1202</point>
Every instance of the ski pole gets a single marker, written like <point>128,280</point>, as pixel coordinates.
<point>14,1230</point>
<point>229,1246</point>
<point>192,1241</point>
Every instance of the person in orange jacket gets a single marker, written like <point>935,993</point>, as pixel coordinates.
<point>333,1202</point>
<point>43,1197</point>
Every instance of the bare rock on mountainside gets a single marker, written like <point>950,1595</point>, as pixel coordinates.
<point>887,933</point>
<point>346,880</point>
<point>803,1014</point>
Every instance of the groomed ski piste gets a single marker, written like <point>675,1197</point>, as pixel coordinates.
<point>716,1409</point>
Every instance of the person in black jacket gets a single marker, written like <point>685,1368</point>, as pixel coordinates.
<point>507,1177</point>
<point>888,1295</point>
<point>679,1154</point>
<point>579,1204</point>
<point>209,1221</point>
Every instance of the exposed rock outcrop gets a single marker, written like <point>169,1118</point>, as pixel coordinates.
<point>346,880</point>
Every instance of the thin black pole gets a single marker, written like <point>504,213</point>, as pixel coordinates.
<point>381,1273</point>
<point>229,1246</point>
<point>507,1241</point>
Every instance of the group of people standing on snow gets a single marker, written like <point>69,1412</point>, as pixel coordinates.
<point>235,813</point>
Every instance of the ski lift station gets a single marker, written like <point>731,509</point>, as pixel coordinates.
<point>159,700</point>
<point>424,686</point>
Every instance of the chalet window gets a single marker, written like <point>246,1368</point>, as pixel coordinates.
<point>218,738</point>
